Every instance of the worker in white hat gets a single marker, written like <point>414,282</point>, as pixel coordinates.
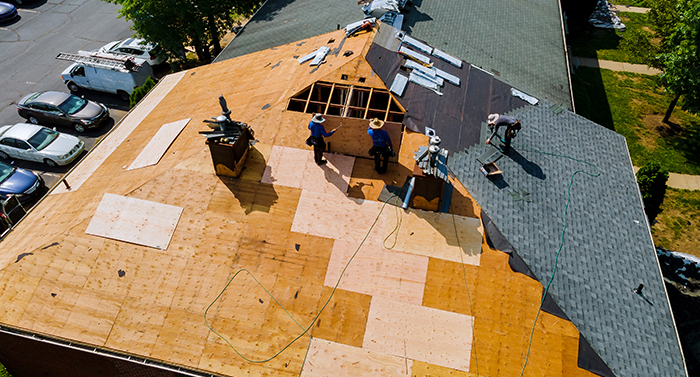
<point>512,125</point>
<point>318,132</point>
<point>381,145</point>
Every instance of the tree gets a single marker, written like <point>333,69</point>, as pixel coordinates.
<point>652,184</point>
<point>175,24</point>
<point>681,59</point>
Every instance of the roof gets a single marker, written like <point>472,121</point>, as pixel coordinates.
<point>521,43</point>
<point>284,233</point>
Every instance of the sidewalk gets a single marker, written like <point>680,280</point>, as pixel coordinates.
<point>627,8</point>
<point>615,66</point>
<point>681,181</point>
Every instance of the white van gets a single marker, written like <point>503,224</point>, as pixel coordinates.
<point>105,72</point>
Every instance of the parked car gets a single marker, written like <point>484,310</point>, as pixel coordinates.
<point>36,143</point>
<point>62,109</point>
<point>22,183</point>
<point>7,12</point>
<point>136,47</point>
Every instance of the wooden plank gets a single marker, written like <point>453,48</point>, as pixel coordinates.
<point>159,144</point>
<point>352,138</point>
<point>433,234</point>
<point>109,144</point>
<point>133,220</point>
<point>425,334</point>
<point>334,359</point>
<point>378,272</point>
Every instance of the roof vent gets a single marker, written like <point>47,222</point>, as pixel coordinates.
<point>638,290</point>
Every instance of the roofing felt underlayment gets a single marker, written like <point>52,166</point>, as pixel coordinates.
<point>249,266</point>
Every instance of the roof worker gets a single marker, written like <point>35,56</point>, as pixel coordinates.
<point>381,148</point>
<point>512,127</point>
<point>318,132</point>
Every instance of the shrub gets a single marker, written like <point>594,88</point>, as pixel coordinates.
<point>652,183</point>
<point>141,92</point>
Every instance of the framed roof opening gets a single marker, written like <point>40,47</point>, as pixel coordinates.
<point>347,101</point>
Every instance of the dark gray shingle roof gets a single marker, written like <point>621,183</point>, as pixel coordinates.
<point>279,22</point>
<point>608,250</point>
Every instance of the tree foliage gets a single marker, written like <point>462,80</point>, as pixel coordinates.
<point>141,92</point>
<point>652,183</point>
<point>681,58</point>
<point>175,24</point>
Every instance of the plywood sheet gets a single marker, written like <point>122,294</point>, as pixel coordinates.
<point>433,234</point>
<point>334,215</point>
<point>110,143</point>
<point>134,220</point>
<point>378,272</point>
<point>293,167</point>
<point>335,359</point>
<point>417,332</point>
<point>159,144</point>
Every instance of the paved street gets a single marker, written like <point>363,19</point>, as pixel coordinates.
<point>29,45</point>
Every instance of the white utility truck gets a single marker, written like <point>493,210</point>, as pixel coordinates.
<point>105,72</point>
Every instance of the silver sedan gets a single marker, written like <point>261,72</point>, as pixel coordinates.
<point>36,143</point>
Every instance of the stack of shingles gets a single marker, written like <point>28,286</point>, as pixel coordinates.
<point>423,72</point>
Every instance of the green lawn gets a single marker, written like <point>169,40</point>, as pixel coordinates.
<point>4,372</point>
<point>634,105</point>
<point>677,225</point>
<point>634,3</point>
<point>604,44</point>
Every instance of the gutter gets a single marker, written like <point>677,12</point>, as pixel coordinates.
<point>566,55</point>
<point>658,265</point>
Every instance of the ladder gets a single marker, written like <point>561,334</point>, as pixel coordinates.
<point>101,60</point>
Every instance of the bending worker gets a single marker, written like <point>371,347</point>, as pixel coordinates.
<point>318,132</point>
<point>512,128</point>
<point>382,148</point>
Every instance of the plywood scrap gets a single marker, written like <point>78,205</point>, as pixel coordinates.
<point>293,167</point>
<point>433,234</point>
<point>134,220</point>
<point>159,144</point>
<point>377,271</point>
<point>420,333</point>
<point>327,358</point>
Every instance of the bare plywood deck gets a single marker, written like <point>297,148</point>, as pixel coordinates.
<point>335,359</point>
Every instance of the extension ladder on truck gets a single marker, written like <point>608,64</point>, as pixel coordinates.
<point>101,60</point>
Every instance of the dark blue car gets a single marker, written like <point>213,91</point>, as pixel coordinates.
<point>7,12</point>
<point>16,181</point>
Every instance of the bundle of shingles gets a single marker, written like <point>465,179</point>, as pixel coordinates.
<point>423,72</point>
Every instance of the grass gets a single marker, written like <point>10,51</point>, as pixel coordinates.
<point>676,227</point>
<point>633,3</point>
<point>634,105</point>
<point>604,44</point>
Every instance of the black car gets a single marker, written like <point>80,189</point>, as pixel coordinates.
<point>7,12</point>
<point>48,108</point>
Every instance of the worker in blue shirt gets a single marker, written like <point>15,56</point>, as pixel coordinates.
<point>512,127</point>
<point>318,132</point>
<point>382,148</point>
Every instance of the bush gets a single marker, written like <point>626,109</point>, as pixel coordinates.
<point>652,183</point>
<point>141,92</point>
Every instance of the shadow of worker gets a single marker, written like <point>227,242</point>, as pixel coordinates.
<point>530,167</point>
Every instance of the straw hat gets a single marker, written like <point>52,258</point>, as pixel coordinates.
<point>493,118</point>
<point>376,123</point>
<point>318,118</point>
